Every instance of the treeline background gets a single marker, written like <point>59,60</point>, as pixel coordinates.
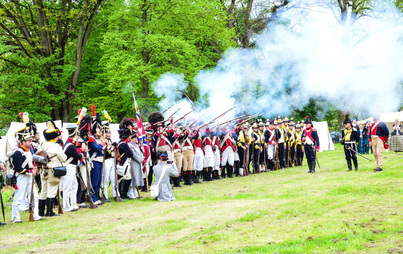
<point>57,56</point>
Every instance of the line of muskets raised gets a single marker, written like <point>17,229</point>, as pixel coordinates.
<point>240,120</point>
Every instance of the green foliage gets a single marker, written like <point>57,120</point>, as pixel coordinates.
<point>41,44</point>
<point>145,39</point>
<point>319,110</point>
<point>399,4</point>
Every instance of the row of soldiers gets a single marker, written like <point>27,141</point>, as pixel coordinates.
<point>211,153</point>
<point>81,167</point>
<point>78,168</point>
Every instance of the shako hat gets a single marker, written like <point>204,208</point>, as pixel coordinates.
<point>51,132</point>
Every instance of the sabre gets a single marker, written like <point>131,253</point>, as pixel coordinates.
<point>316,157</point>
<point>349,148</point>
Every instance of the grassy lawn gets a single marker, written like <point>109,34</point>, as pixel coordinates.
<point>286,211</point>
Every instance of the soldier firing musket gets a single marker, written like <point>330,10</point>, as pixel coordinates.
<point>214,119</point>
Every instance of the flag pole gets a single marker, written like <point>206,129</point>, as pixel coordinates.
<point>142,141</point>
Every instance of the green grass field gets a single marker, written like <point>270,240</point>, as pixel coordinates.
<point>286,211</point>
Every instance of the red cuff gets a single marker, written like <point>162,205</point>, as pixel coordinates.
<point>92,139</point>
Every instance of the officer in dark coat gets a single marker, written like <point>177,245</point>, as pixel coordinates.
<point>311,143</point>
<point>350,137</point>
<point>126,130</point>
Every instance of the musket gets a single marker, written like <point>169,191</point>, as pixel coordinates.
<point>81,181</point>
<point>60,209</point>
<point>103,179</point>
<point>172,114</point>
<point>116,176</point>
<point>163,121</point>
<point>31,201</point>
<point>216,117</point>
<point>135,184</point>
<point>250,118</point>
<point>245,159</point>
<point>277,159</point>
<point>264,158</point>
<point>234,119</point>
<point>177,120</point>
<point>349,148</point>
<point>258,160</point>
<point>167,108</point>
<point>253,154</point>
<point>92,205</point>
<point>246,155</point>
<point>1,198</point>
<point>190,125</point>
<point>193,106</point>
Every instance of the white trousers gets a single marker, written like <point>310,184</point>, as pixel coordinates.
<point>198,159</point>
<point>271,151</point>
<point>109,176</point>
<point>217,160</point>
<point>228,156</point>
<point>70,187</point>
<point>208,160</point>
<point>132,193</point>
<point>236,156</point>
<point>24,184</point>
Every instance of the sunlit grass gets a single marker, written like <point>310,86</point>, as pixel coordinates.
<point>286,211</point>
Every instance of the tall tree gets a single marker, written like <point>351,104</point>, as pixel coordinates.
<point>41,50</point>
<point>250,17</point>
<point>147,38</point>
<point>351,10</point>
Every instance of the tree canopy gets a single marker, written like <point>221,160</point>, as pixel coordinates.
<point>56,56</point>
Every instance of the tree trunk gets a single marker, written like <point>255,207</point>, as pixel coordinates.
<point>246,37</point>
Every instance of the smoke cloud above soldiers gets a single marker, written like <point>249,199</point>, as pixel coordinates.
<point>308,52</point>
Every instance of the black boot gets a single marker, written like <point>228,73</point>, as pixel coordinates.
<point>313,166</point>
<point>197,177</point>
<point>177,181</point>
<point>210,174</point>
<point>216,175</point>
<point>230,170</point>
<point>222,172</point>
<point>189,176</point>
<point>122,189</point>
<point>355,164</point>
<point>237,165</point>
<point>126,187</point>
<point>309,166</point>
<point>185,178</point>
<point>349,165</point>
<point>49,208</point>
<point>192,177</point>
<point>41,207</point>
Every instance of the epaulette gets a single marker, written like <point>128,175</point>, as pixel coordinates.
<point>314,129</point>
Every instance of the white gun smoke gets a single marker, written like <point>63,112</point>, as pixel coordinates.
<point>306,53</point>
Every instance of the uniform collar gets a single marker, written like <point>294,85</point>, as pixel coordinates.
<point>24,148</point>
